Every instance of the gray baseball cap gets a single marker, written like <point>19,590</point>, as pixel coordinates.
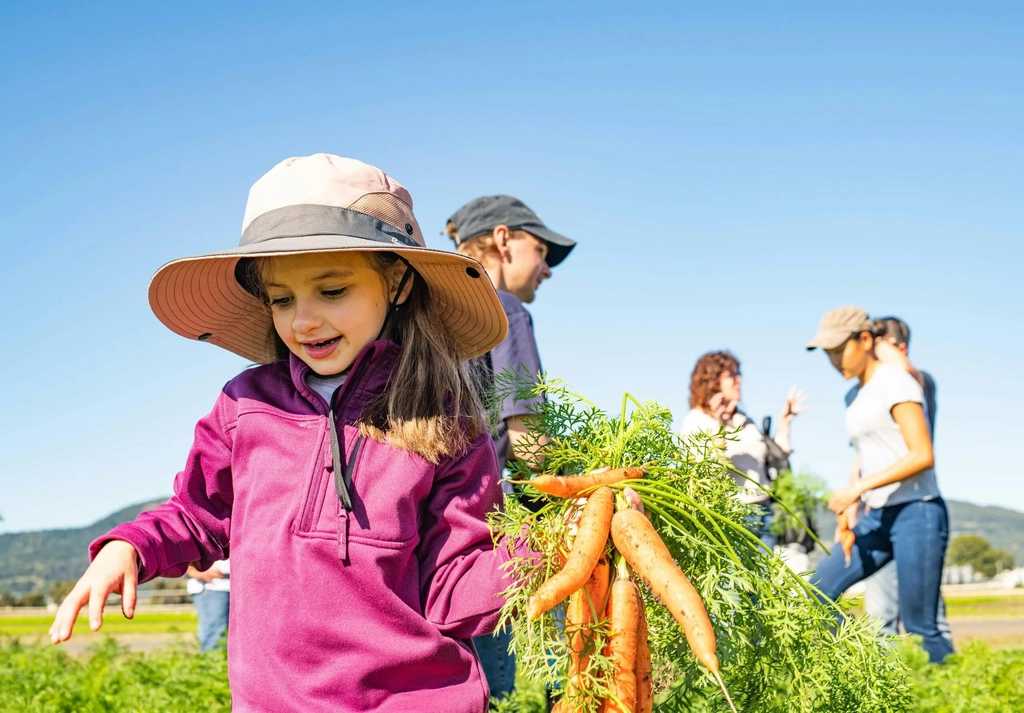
<point>482,215</point>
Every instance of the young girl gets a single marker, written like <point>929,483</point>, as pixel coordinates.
<point>907,519</point>
<point>350,474</point>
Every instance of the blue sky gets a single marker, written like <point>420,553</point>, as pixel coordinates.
<point>730,170</point>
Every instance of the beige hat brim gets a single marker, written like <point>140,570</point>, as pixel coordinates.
<point>828,339</point>
<point>200,298</point>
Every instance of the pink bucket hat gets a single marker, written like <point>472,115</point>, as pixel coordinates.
<point>320,203</point>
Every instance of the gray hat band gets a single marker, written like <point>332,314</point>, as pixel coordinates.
<point>302,220</point>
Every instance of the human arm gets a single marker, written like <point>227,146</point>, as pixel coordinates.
<point>796,403</point>
<point>909,416</point>
<point>523,445</point>
<point>516,366</point>
<point>192,527</point>
<point>208,576</point>
<point>887,353</point>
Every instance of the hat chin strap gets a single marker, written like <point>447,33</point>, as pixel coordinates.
<point>394,306</point>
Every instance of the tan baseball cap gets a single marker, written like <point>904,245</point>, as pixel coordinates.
<point>839,325</point>
<point>320,203</point>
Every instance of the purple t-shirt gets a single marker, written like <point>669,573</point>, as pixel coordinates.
<point>517,352</point>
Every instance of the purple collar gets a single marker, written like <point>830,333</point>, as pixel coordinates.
<point>367,378</point>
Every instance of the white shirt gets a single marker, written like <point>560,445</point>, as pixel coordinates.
<point>744,447</point>
<point>221,584</point>
<point>877,437</point>
<point>325,385</point>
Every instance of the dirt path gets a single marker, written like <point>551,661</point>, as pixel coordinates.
<point>997,633</point>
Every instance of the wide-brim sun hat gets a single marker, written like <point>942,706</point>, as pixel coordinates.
<point>320,203</point>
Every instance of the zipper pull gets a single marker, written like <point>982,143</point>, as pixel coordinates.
<point>343,535</point>
<point>340,486</point>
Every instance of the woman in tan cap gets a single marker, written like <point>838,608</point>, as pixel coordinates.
<point>907,519</point>
<point>350,473</point>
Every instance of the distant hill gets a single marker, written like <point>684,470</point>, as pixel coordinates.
<point>1002,527</point>
<point>30,561</point>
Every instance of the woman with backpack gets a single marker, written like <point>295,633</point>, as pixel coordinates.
<point>715,394</point>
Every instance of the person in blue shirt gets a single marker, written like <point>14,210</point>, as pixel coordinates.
<point>517,252</point>
<point>881,593</point>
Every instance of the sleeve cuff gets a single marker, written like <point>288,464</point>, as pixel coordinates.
<point>147,559</point>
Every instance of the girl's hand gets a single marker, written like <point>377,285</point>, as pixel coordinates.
<point>115,569</point>
<point>844,498</point>
<point>796,403</point>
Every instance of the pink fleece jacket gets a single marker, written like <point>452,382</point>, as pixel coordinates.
<point>368,610</point>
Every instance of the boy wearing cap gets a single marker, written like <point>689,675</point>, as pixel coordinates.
<point>517,251</point>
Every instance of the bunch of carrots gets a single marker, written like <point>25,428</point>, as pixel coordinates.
<point>601,590</point>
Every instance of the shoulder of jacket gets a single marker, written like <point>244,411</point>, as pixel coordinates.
<point>257,377</point>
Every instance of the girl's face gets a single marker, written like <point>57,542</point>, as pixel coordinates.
<point>326,306</point>
<point>730,385</point>
<point>852,358</point>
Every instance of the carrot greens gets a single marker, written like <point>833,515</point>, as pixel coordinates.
<point>779,646</point>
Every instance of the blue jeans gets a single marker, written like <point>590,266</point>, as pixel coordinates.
<point>212,610</point>
<point>498,664</point>
<point>914,534</point>
<point>882,602</point>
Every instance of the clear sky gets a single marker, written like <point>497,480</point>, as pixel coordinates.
<point>730,170</point>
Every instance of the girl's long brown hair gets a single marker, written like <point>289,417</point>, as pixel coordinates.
<point>431,405</point>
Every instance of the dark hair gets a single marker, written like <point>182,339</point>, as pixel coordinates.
<point>706,379</point>
<point>893,328</point>
<point>431,406</point>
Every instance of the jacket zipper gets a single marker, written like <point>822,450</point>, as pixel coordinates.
<point>342,469</point>
<point>317,479</point>
<point>309,511</point>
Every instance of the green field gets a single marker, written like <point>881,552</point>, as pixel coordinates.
<point>113,623</point>
<point>988,607</point>
<point>107,677</point>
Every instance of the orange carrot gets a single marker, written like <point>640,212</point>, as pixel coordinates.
<point>585,607</point>
<point>644,671</point>
<point>568,486</point>
<point>846,536</point>
<point>591,537</point>
<point>623,610</point>
<point>637,540</point>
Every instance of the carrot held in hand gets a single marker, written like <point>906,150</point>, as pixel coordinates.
<point>586,606</point>
<point>644,670</point>
<point>624,612</point>
<point>591,537</point>
<point>846,536</point>
<point>637,540</point>
<point>568,486</point>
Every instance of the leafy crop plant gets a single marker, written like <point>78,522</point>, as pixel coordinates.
<point>779,646</point>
